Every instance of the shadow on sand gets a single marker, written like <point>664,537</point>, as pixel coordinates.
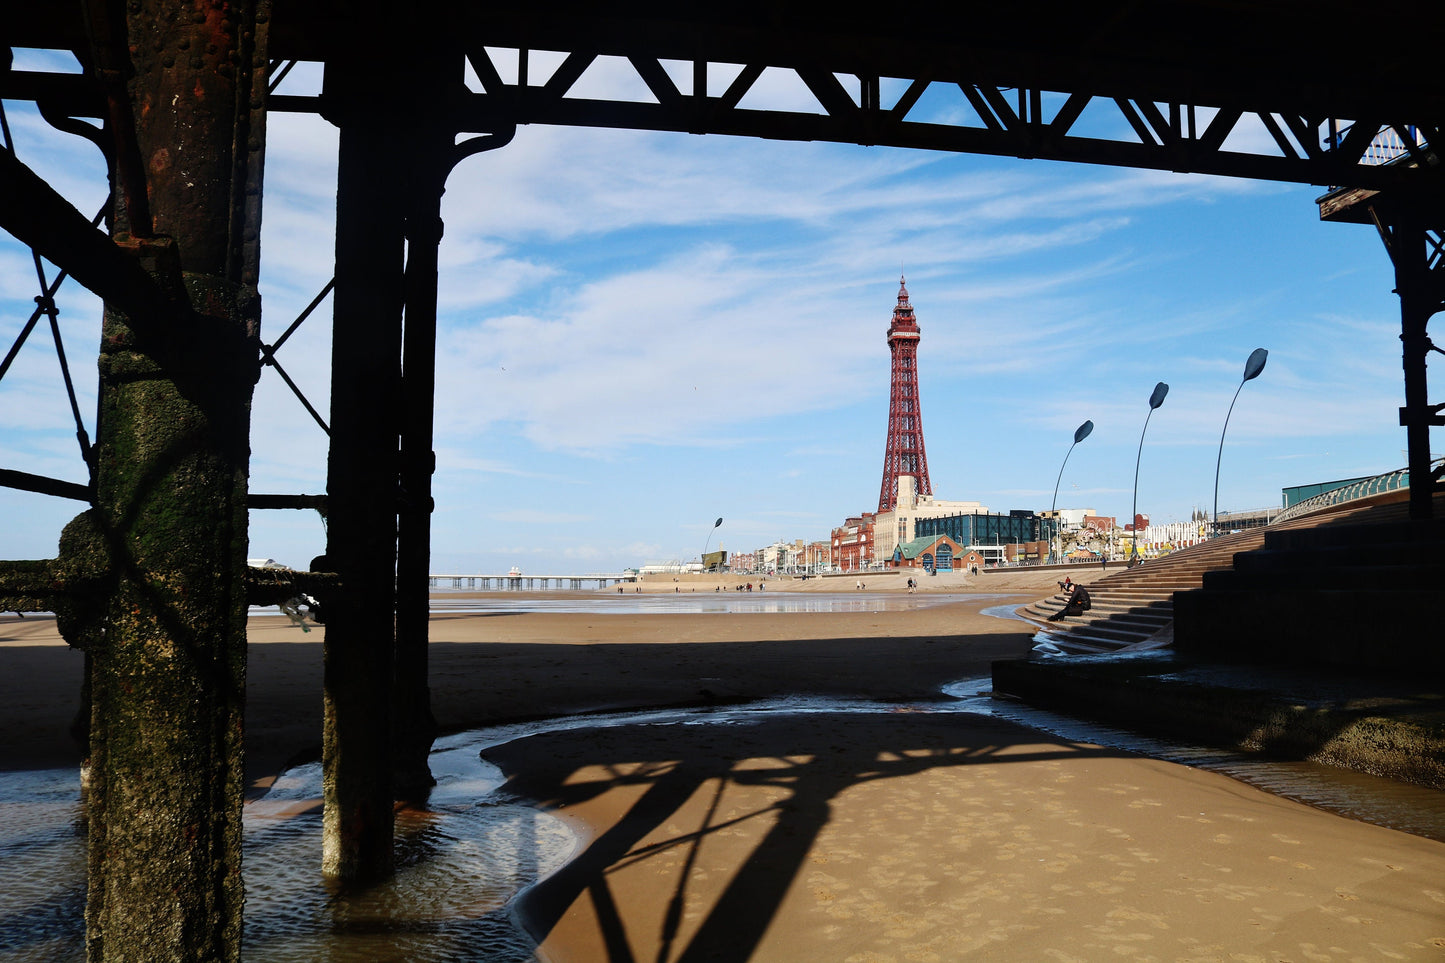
<point>678,786</point>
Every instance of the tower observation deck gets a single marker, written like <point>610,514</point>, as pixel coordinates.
<point>903,454</point>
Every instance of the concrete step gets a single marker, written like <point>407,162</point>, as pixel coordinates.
<point>1107,631</point>
<point>1137,601</point>
<point>1325,557</point>
<point>1336,536</point>
<point>1131,624</point>
<point>1076,643</point>
<point>1341,626</point>
<point>1141,623</point>
<point>1149,591</point>
<point>1362,577</point>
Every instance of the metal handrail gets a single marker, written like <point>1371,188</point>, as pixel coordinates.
<point>1385,147</point>
<point>1388,482</point>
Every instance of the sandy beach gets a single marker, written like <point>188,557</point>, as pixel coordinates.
<point>901,835</point>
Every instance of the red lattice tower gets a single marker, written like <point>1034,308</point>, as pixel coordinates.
<point>903,454</point>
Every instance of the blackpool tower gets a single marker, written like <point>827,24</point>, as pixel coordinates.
<point>903,454</point>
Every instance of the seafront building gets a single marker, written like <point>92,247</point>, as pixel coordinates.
<point>1016,537</point>
<point>893,528</point>
<point>853,543</point>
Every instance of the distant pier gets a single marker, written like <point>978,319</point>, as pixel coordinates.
<point>529,583</point>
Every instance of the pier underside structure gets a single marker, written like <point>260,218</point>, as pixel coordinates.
<point>151,578</point>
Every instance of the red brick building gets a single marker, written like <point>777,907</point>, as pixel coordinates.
<point>853,543</point>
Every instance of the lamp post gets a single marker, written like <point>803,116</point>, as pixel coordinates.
<point>1252,368</point>
<point>1080,434</point>
<point>1155,400</point>
<point>705,544</point>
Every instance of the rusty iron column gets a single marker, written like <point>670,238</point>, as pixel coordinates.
<point>185,80</point>
<point>414,727</point>
<point>435,80</point>
<point>1421,294</point>
<point>362,472</point>
<point>1417,251</point>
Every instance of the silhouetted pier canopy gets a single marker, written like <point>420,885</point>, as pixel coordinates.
<point>1165,85</point>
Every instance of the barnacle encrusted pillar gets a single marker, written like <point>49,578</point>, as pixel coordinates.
<point>185,80</point>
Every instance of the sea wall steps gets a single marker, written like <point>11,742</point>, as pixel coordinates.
<point>1276,576</point>
<point>1359,589</point>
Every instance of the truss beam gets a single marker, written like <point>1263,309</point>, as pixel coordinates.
<point>1121,94</point>
<point>1029,122</point>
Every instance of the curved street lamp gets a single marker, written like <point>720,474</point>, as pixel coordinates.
<point>1080,434</point>
<point>1252,368</point>
<point>1155,400</point>
<point>705,544</point>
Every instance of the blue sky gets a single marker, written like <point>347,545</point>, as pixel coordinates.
<point>642,332</point>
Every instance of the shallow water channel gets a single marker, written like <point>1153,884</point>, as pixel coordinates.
<point>692,603</point>
<point>471,851</point>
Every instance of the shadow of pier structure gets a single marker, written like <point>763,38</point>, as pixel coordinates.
<point>678,784</point>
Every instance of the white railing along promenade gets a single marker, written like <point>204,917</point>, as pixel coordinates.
<point>528,583</point>
<point>1388,482</point>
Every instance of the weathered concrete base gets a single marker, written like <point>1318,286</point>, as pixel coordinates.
<point>1390,725</point>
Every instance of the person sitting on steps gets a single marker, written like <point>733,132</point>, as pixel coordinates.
<point>1077,604</point>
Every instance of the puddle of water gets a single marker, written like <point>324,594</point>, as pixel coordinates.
<point>694,603</point>
<point>461,860</point>
<point>42,865</point>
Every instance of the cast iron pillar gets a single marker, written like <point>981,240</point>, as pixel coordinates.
<point>185,80</point>
<point>1418,254</point>
<point>431,160</point>
<point>362,473</point>
<point>414,727</point>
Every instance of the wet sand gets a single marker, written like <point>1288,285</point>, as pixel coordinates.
<point>893,835</point>
<point>488,668</point>
<point>916,836</point>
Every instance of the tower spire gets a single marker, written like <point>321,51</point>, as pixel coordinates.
<point>903,453</point>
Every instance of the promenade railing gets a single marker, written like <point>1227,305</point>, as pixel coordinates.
<point>1388,482</point>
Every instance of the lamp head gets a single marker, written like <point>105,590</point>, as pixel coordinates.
<point>1084,431</point>
<point>1255,364</point>
<point>1157,398</point>
<point>717,523</point>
